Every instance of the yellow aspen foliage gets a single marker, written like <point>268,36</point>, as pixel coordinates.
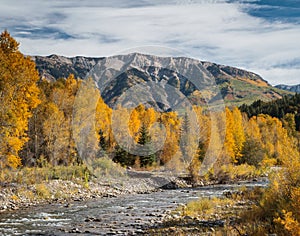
<point>238,133</point>
<point>279,209</point>
<point>229,143</point>
<point>18,98</point>
<point>253,149</point>
<point>84,125</point>
<point>172,125</point>
<point>194,168</point>
<point>13,161</point>
<point>71,89</point>
<point>149,117</point>
<point>141,111</point>
<point>120,127</point>
<point>72,85</point>
<point>189,138</point>
<point>64,95</point>
<point>275,139</point>
<point>134,124</point>
<point>204,123</point>
<point>210,140</point>
<point>103,118</point>
<point>252,129</point>
<point>290,224</point>
<point>55,128</point>
<point>141,116</point>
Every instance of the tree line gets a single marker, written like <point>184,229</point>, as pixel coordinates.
<point>37,125</point>
<point>48,124</point>
<point>289,104</point>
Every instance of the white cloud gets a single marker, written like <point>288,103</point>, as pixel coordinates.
<point>207,29</point>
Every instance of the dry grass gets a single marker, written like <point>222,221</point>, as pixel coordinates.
<point>42,191</point>
<point>36,175</point>
<point>205,208</point>
<point>237,172</point>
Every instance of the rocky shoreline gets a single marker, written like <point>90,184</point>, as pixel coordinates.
<point>145,217</point>
<point>15,196</point>
<point>18,196</point>
<point>223,220</point>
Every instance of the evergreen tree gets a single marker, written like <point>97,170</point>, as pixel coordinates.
<point>278,108</point>
<point>123,157</point>
<point>144,139</point>
<point>201,151</point>
<point>102,141</point>
<point>185,130</point>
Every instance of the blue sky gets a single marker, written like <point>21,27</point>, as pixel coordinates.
<point>258,35</point>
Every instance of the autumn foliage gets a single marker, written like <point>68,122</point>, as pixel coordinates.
<point>66,122</point>
<point>18,96</point>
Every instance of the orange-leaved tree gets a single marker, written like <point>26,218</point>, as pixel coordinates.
<point>18,97</point>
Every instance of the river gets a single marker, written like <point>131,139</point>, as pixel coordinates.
<point>123,215</point>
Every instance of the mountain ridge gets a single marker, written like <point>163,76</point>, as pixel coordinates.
<point>237,86</point>
<point>291,88</point>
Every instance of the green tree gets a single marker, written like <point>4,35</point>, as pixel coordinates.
<point>289,123</point>
<point>123,157</point>
<point>185,132</point>
<point>145,140</point>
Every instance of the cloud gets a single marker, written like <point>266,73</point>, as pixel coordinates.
<point>234,33</point>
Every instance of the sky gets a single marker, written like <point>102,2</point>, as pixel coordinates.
<point>262,36</point>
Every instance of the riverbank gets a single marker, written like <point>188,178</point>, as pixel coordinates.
<point>14,196</point>
<point>130,214</point>
<point>217,215</point>
<point>23,192</point>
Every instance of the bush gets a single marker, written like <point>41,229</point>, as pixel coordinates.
<point>204,207</point>
<point>278,209</point>
<point>232,172</point>
<point>42,191</point>
<point>106,167</point>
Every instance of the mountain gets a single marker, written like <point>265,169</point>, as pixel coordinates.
<point>115,75</point>
<point>291,88</point>
<point>54,67</point>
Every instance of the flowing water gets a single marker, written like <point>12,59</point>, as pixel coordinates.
<point>123,215</point>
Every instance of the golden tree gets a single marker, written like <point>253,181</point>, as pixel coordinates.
<point>103,121</point>
<point>229,144</point>
<point>134,124</point>
<point>18,97</point>
<point>238,133</point>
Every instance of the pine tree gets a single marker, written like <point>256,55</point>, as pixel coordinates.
<point>144,137</point>
<point>123,157</point>
<point>185,131</point>
<point>102,141</point>
<point>148,158</point>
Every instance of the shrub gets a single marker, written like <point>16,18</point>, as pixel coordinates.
<point>106,167</point>
<point>42,191</point>
<point>278,209</point>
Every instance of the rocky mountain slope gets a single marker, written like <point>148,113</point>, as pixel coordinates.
<point>54,67</point>
<point>196,80</point>
<point>291,88</point>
